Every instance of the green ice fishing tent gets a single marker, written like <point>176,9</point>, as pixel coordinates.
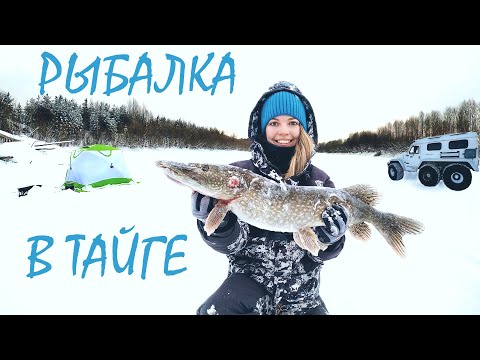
<point>96,166</point>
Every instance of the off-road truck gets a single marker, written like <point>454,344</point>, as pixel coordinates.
<point>449,157</point>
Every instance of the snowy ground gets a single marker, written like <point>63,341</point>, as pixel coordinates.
<point>440,275</point>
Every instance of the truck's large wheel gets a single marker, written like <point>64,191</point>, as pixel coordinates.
<point>457,177</point>
<point>429,175</point>
<point>395,171</point>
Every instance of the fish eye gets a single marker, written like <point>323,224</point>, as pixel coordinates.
<point>205,167</point>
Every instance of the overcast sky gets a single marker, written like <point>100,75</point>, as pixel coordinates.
<point>351,87</point>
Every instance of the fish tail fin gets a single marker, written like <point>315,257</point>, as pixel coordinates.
<point>393,227</point>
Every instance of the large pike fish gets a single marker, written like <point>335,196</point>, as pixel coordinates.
<point>274,206</point>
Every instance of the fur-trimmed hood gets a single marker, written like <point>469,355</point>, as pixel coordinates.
<point>257,137</point>
<point>254,130</point>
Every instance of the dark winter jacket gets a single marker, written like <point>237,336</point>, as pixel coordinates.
<point>290,274</point>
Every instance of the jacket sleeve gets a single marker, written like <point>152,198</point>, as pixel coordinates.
<point>329,183</point>
<point>226,238</point>
<point>331,252</point>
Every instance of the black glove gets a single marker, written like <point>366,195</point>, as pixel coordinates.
<point>202,205</point>
<point>335,219</point>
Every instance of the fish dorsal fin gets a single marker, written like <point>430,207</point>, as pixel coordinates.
<point>367,193</point>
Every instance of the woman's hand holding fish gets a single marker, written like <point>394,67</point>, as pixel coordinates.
<point>202,205</point>
<point>335,219</point>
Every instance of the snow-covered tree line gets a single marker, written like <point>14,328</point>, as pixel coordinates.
<point>133,125</point>
<point>91,122</point>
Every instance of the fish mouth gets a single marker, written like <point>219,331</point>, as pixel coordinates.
<point>180,173</point>
<point>174,180</point>
<point>195,176</point>
<point>163,164</point>
<point>172,170</point>
<point>171,166</point>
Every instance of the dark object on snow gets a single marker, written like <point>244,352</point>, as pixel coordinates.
<point>24,190</point>
<point>6,158</point>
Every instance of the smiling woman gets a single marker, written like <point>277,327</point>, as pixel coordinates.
<point>283,130</point>
<point>270,271</point>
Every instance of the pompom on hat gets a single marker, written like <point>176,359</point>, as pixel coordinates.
<point>283,103</point>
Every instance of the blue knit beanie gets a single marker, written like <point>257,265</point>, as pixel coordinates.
<point>283,103</point>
